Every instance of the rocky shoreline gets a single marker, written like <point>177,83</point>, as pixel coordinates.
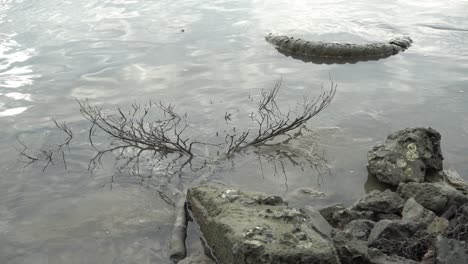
<point>421,218</point>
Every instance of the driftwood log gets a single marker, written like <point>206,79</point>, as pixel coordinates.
<point>177,249</point>
<point>330,52</point>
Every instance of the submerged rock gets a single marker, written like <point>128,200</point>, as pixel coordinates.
<point>406,156</point>
<point>380,202</point>
<point>436,197</point>
<point>243,227</point>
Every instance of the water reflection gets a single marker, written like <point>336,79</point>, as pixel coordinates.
<point>13,111</point>
<point>324,60</point>
<point>19,96</point>
<point>14,75</point>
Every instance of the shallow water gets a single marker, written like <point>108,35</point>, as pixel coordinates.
<point>116,52</point>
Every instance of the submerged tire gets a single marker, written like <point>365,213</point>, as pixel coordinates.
<point>330,52</point>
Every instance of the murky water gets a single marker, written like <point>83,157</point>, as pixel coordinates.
<point>115,52</point>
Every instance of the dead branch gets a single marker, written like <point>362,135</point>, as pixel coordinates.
<point>134,130</point>
<point>458,226</point>
<point>271,122</point>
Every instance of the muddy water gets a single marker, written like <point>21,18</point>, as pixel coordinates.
<point>208,58</point>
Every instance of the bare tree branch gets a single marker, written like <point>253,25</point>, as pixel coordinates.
<point>271,122</point>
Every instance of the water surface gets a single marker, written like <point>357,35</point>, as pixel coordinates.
<point>115,52</point>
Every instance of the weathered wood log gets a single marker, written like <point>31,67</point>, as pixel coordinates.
<point>177,248</point>
<point>330,52</point>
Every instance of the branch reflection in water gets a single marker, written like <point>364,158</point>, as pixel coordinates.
<point>154,144</point>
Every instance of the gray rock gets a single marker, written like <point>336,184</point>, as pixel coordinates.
<point>451,251</point>
<point>406,156</point>
<point>197,259</point>
<point>359,229</point>
<point>350,250</point>
<point>399,237</point>
<point>436,197</point>
<point>380,202</point>
<point>317,221</point>
<point>353,251</point>
<point>413,211</point>
<point>338,216</point>
<point>243,228</point>
<point>328,211</point>
<point>391,230</point>
<point>455,180</point>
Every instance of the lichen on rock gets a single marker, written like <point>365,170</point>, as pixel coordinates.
<point>406,156</point>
